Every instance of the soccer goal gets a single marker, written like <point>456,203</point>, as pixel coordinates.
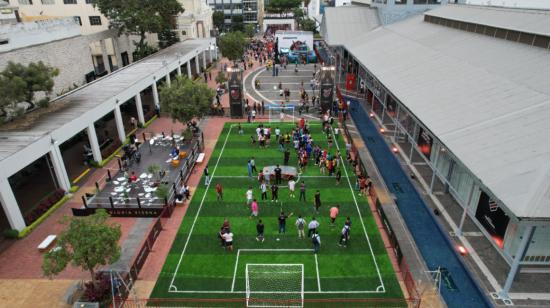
<point>274,285</point>
<point>281,114</point>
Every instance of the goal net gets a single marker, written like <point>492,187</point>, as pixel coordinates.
<point>281,114</point>
<point>274,285</point>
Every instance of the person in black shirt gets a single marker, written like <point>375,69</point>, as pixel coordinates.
<point>287,156</point>
<point>317,201</point>
<point>278,175</point>
<point>282,222</point>
<point>274,193</point>
<point>260,231</point>
<point>206,176</point>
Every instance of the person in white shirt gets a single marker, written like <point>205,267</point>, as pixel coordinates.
<point>249,195</point>
<point>228,237</point>
<point>277,134</point>
<point>312,227</point>
<point>300,225</point>
<point>316,240</point>
<point>291,188</point>
<point>258,131</point>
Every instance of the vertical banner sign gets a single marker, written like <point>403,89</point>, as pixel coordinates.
<point>235,93</point>
<point>327,90</point>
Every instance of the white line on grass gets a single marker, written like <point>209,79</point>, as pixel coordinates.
<point>360,216</point>
<point>318,278</point>
<point>253,177</point>
<point>199,210</point>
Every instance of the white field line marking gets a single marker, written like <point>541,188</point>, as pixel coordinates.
<point>235,271</point>
<point>318,278</point>
<point>301,176</point>
<point>199,210</point>
<point>360,215</point>
<point>306,292</point>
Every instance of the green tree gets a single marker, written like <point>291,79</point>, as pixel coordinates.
<point>20,83</point>
<point>283,6</point>
<point>221,78</point>
<point>88,243</point>
<point>237,23</point>
<point>249,30</point>
<point>139,16</point>
<point>308,25</point>
<point>218,19</point>
<point>185,99</point>
<point>232,45</point>
<point>167,38</point>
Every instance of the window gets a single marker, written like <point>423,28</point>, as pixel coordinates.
<point>48,1</point>
<point>69,1</point>
<point>95,21</point>
<point>88,1</point>
<point>78,20</point>
<point>400,1</point>
<point>23,2</point>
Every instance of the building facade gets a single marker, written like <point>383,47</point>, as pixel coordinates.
<point>250,10</point>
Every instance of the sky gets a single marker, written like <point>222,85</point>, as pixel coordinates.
<point>540,4</point>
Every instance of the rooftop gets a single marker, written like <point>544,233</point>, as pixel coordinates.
<point>439,72</point>
<point>344,24</point>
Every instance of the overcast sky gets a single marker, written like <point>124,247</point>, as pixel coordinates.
<point>544,4</point>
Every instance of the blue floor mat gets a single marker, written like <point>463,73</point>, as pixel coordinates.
<point>457,286</point>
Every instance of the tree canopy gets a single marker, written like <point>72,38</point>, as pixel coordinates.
<point>218,18</point>
<point>185,99</point>
<point>88,242</point>
<point>139,16</point>
<point>307,24</point>
<point>283,6</point>
<point>20,82</point>
<point>250,30</point>
<point>232,45</point>
<point>237,23</point>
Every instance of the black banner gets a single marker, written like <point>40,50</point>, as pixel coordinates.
<point>425,142</point>
<point>236,92</point>
<point>492,217</point>
<point>327,90</point>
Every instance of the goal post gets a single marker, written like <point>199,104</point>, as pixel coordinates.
<point>281,114</point>
<point>274,285</point>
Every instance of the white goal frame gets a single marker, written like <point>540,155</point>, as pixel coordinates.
<point>277,118</point>
<point>301,292</point>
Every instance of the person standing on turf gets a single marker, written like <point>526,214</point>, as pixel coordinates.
<point>249,195</point>
<point>260,231</point>
<point>317,201</point>
<point>254,209</point>
<point>312,227</point>
<point>291,188</point>
<point>206,176</point>
<point>344,236</point>
<point>316,240</point>
<point>300,225</point>
<point>253,164</point>
<point>274,192</point>
<point>338,176</point>
<point>219,192</point>
<point>302,191</point>
<point>286,157</point>
<point>334,213</point>
<point>277,175</point>
<point>249,169</point>
<point>282,222</point>
<point>228,238</point>
<point>263,189</point>
<point>277,133</point>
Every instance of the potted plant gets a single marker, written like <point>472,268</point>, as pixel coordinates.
<point>154,169</point>
<point>162,191</point>
<point>126,197</point>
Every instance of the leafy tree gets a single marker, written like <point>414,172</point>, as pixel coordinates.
<point>139,16</point>
<point>20,83</point>
<point>308,25</point>
<point>237,23</point>
<point>232,45</point>
<point>221,78</point>
<point>143,51</point>
<point>185,99</point>
<point>283,6</point>
<point>88,243</point>
<point>167,38</point>
<point>298,14</point>
<point>249,30</point>
<point>218,19</point>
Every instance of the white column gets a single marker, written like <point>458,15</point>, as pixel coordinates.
<point>139,107</point>
<point>119,124</point>
<point>168,80</point>
<point>156,94</point>
<point>197,64</point>
<point>59,167</point>
<point>189,69</point>
<point>178,70</point>
<point>94,144</point>
<point>116,50</point>
<point>105,56</point>
<point>9,203</point>
<point>204,59</point>
<point>520,253</point>
<point>210,53</point>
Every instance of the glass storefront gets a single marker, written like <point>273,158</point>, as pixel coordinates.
<point>107,135</point>
<point>77,154</point>
<point>148,103</point>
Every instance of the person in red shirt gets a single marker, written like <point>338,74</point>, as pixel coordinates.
<point>133,177</point>
<point>219,192</point>
<point>302,123</point>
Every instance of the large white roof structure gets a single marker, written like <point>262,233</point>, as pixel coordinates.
<point>344,24</point>
<point>487,99</point>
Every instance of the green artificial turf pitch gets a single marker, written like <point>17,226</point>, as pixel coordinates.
<point>197,267</point>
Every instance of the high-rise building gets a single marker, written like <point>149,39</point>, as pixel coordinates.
<point>250,10</point>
